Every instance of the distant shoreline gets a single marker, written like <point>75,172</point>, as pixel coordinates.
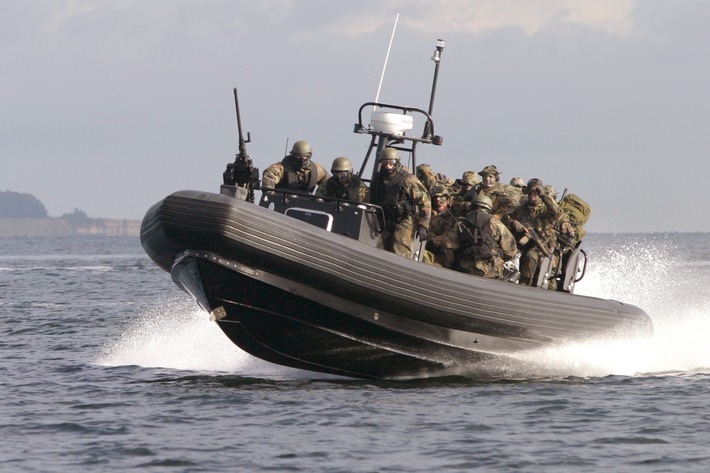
<point>32,227</point>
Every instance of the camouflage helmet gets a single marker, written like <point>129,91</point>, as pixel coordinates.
<point>517,182</point>
<point>483,202</point>
<point>341,164</point>
<point>490,169</point>
<point>301,147</point>
<point>469,178</point>
<point>440,191</point>
<point>388,153</point>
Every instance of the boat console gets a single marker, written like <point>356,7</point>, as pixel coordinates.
<point>362,222</point>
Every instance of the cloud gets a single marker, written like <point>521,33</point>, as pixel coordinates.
<point>476,17</point>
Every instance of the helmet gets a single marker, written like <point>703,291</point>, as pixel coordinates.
<point>301,147</point>
<point>490,169</point>
<point>517,182</point>
<point>424,170</point>
<point>532,184</point>
<point>341,164</point>
<point>388,153</point>
<point>439,190</point>
<point>301,154</point>
<point>483,202</point>
<point>469,178</point>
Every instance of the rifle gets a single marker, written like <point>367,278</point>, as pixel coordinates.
<point>532,235</point>
<point>241,173</point>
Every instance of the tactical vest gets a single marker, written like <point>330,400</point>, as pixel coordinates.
<point>387,195</point>
<point>290,179</point>
<point>349,192</point>
<point>477,238</point>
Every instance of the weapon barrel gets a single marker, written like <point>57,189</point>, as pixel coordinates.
<point>242,141</point>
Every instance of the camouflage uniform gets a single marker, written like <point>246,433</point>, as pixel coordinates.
<point>407,207</point>
<point>429,178</point>
<point>441,222</point>
<point>443,239</point>
<point>505,197</point>
<point>542,217</point>
<point>354,190</point>
<point>461,187</point>
<point>486,244</point>
<point>288,175</point>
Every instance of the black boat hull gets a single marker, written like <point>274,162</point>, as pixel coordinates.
<point>294,294</point>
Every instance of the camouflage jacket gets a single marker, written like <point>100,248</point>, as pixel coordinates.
<point>505,197</point>
<point>286,175</point>
<point>401,195</point>
<point>542,218</point>
<point>443,231</point>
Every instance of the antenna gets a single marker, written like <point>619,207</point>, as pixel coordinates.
<point>379,87</point>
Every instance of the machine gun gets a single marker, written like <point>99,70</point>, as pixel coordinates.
<point>241,178</point>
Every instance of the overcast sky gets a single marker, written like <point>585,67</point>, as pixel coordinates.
<point>109,106</point>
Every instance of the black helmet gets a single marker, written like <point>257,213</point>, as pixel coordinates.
<point>534,183</point>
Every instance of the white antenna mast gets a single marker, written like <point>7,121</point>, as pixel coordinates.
<point>377,97</point>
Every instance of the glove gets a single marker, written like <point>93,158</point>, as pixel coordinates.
<point>422,233</point>
<point>517,226</point>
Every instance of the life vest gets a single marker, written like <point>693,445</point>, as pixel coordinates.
<point>387,195</point>
<point>477,238</point>
<point>290,179</point>
<point>349,192</point>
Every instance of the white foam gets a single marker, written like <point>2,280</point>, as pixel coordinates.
<point>178,335</point>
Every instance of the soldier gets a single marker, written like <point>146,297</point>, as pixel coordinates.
<point>462,187</point>
<point>344,184</point>
<point>518,183</point>
<point>440,196</point>
<point>429,178</point>
<point>443,235</point>
<point>504,197</point>
<point>405,202</point>
<point>296,171</point>
<point>486,243</point>
<point>533,223</point>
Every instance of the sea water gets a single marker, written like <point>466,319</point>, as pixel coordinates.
<point>107,366</point>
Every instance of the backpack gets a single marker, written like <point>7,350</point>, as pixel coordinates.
<point>476,236</point>
<point>578,212</point>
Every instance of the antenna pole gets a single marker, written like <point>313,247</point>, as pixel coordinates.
<point>436,57</point>
<point>379,87</point>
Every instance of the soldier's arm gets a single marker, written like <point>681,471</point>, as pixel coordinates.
<point>323,174</point>
<point>364,193</point>
<point>272,176</point>
<point>420,196</point>
<point>553,210</point>
<point>321,190</point>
